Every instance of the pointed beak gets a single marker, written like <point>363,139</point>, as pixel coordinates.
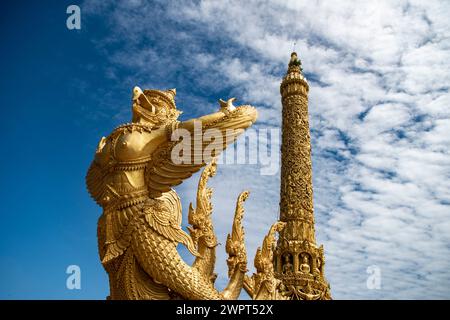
<point>140,98</point>
<point>136,93</point>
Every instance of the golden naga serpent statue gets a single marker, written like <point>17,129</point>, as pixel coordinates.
<point>131,178</point>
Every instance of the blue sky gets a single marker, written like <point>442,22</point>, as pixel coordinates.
<point>379,114</point>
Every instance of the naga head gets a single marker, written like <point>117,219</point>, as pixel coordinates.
<point>154,107</point>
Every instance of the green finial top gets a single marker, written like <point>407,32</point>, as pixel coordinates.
<point>295,61</point>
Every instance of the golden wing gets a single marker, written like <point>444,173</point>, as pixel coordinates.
<point>163,215</point>
<point>196,144</point>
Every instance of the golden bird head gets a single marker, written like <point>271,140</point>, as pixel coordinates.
<point>154,107</point>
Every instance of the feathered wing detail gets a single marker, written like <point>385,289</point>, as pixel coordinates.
<point>162,225</point>
<point>95,181</point>
<point>116,228</point>
<point>174,161</point>
<point>97,174</point>
<point>163,215</point>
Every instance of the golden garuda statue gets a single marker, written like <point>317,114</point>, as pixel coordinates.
<point>131,178</point>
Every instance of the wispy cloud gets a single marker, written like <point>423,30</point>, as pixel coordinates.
<point>379,108</point>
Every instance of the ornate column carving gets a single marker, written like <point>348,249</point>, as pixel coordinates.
<point>296,197</point>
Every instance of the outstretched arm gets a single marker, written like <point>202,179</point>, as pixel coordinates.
<point>194,143</point>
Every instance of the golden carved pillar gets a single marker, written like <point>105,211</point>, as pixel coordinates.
<point>296,204</point>
<point>296,192</point>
